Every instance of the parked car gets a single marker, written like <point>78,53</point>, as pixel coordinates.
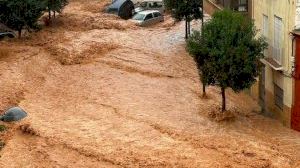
<point>122,8</point>
<point>150,5</point>
<point>8,34</point>
<point>148,17</point>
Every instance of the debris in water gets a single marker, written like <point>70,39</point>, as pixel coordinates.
<point>2,128</point>
<point>27,129</point>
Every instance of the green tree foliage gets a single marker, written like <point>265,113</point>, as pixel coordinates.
<point>228,52</point>
<point>20,14</point>
<point>187,10</point>
<point>197,48</point>
<point>56,6</point>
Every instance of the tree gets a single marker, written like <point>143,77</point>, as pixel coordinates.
<point>197,48</point>
<point>229,51</point>
<point>55,6</point>
<point>187,10</point>
<point>18,15</point>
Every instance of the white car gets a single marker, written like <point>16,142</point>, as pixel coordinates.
<point>148,17</point>
<point>149,5</point>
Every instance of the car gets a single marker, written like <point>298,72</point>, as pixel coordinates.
<point>9,34</point>
<point>122,8</point>
<point>148,17</point>
<point>6,32</point>
<point>149,5</point>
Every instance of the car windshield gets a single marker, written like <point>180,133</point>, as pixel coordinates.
<point>138,17</point>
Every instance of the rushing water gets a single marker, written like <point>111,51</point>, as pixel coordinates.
<point>115,95</point>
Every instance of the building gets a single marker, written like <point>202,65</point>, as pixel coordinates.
<point>243,6</point>
<point>277,21</point>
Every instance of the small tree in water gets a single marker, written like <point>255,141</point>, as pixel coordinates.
<point>197,48</point>
<point>228,52</point>
<point>55,6</point>
<point>185,10</point>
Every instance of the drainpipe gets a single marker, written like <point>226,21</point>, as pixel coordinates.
<point>293,56</point>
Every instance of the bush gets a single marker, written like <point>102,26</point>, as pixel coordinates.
<point>18,15</point>
<point>2,128</point>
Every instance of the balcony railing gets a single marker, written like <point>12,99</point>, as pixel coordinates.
<point>241,8</point>
<point>234,5</point>
<point>273,57</point>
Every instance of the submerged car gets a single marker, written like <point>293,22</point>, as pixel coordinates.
<point>8,34</point>
<point>150,5</point>
<point>122,8</point>
<point>149,17</point>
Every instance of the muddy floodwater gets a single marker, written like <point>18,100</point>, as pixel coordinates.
<point>101,92</point>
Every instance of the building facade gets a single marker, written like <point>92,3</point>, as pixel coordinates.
<point>243,6</point>
<point>276,20</point>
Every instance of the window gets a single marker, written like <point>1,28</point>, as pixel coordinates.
<point>138,17</point>
<point>265,30</point>
<point>157,14</point>
<point>144,4</point>
<point>278,93</point>
<point>297,18</point>
<point>265,26</point>
<point>243,6</point>
<point>149,16</point>
<point>157,5</point>
<point>278,37</point>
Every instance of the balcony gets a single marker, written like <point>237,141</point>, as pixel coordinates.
<point>273,58</point>
<point>244,6</point>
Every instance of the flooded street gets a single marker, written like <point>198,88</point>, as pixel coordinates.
<point>101,92</point>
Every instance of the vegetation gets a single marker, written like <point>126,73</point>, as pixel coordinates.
<point>185,10</point>
<point>227,52</point>
<point>2,128</point>
<point>200,53</point>
<point>2,144</point>
<point>19,15</point>
<point>55,6</point>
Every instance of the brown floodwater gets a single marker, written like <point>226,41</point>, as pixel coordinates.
<point>101,92</point>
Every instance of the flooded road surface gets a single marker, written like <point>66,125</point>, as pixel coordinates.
<point>101,92</point>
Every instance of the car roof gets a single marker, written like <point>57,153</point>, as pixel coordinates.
<point>7,33</point>
<point>150,1</point>
<point>145,12</point>
<point>118,3</point>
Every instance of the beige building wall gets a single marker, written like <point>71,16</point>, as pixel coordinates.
<point>286,10</point>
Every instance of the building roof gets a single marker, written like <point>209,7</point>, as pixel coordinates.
<point>145,12</point>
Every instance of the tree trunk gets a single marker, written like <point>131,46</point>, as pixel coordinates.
<point>203,90</point>
<point>186,28</point>
<point>54,14</point>
<point>189,29</point>
<point>223,100</point>
<point>49,14</point>
<point>19,33</point>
